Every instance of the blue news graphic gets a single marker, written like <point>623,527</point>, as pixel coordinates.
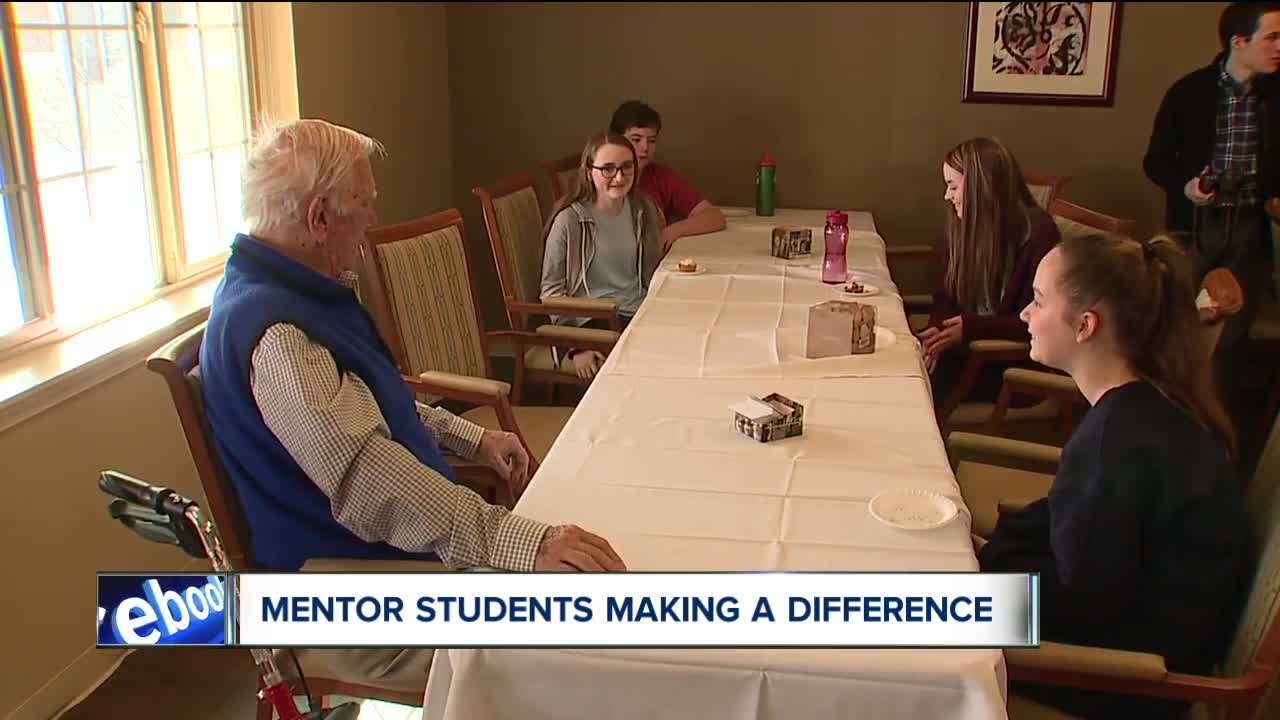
<point>161,610</point>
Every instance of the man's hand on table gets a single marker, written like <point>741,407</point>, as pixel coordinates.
<point>569,548</point>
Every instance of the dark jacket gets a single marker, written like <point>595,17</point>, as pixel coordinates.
<point>1004,323</point>
<point>1142,544</point>
<point>1182,139</point>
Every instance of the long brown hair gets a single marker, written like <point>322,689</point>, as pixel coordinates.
<point>995,220</point>
<point>584,190</point>
<point>1149,297</point>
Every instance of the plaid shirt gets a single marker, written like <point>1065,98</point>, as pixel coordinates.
<point>1235,147</point>
<point>331,425</point>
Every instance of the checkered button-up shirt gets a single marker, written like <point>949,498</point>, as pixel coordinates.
<point>1235,147</point>
<point>331,425</point>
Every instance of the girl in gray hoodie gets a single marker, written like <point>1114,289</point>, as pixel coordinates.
<point>602,240</point>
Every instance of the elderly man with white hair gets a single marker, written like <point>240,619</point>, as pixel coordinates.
<point>330,454</point>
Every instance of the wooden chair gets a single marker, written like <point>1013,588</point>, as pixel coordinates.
<point>1046,188</point>
<point>1055,413</point>
<point>1069,216</point>
<point>563,174</point>
<point>513,220</point>
<point>1253,656</point>
<point>425,305</point>
<point>178,364</point>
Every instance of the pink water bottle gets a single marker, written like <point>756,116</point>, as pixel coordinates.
<point>836,234</point>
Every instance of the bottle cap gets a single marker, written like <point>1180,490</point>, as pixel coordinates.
<point>766,161</point>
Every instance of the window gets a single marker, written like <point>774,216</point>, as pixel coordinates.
<point>125,125</point>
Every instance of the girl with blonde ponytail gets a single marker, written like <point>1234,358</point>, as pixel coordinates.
<point>1141,542</point>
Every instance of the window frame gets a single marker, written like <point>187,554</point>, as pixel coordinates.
<point>146,34</point>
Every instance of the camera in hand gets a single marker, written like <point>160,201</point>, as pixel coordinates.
<point>1227,185</point>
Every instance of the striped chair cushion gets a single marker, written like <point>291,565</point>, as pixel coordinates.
<point>1263,505</point>
<point>520,222</point>
<point>430,293</point>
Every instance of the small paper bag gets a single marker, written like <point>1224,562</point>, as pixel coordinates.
<point>840,327</point>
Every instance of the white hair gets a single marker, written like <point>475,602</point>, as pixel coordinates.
<point>292,163</point>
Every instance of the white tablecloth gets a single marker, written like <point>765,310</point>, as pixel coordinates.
<point>650,461</point>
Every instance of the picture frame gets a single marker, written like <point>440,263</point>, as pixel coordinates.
<point>1009,60</point>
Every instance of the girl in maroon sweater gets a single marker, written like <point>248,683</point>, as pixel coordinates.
<point>996,237</point>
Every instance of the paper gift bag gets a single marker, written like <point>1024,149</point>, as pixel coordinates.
<point>840,327</point>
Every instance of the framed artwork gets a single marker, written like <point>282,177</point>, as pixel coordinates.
<point>1048,53</point>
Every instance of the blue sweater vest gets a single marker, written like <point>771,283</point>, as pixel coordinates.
<point>289,518</point>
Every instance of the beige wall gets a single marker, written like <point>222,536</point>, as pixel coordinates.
<point>56,533</point>
<point>382,68</point>
<point>856,102</point>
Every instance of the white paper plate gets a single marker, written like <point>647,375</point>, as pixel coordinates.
<point>736,212</point>
<point>867,291</point>
<point>912,509</point>
<point>676,272</point>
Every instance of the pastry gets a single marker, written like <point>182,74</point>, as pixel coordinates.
<point>688,265</point>
<point>853,286</point>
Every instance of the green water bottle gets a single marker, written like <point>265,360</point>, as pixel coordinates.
<point>765,186</point>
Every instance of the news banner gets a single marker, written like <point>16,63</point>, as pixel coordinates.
<point>614,610</point>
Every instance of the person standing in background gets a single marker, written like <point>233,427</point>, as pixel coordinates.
<point>1214,152</point>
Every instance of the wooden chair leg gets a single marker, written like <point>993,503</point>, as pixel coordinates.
<point>968,378</point>
<point>998,412</point>
<point>517,381</point>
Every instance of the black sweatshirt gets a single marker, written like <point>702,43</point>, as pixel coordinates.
<point>1142,543</point>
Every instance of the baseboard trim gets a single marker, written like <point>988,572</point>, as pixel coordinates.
<point>71,685</point>
<point>77,681</point>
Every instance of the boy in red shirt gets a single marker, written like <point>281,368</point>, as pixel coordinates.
<point>687,211</point>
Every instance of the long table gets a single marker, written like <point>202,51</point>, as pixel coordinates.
<point>650,461</point>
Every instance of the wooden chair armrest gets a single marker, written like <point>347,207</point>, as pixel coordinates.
<point>1030,381</point>
<point>910,251</point>
<point>1000,350</point>
<point>1130,673</point>
<point>918,304</point>
<point>524,339</point>
<point>572,334</point>
<point>1036,384</point>
<point>575,307</point>
<point>576,303</point>
<point>1104,662</point>
<point>992,450</point>
<point>462,388</point>
<point>981,353</point>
